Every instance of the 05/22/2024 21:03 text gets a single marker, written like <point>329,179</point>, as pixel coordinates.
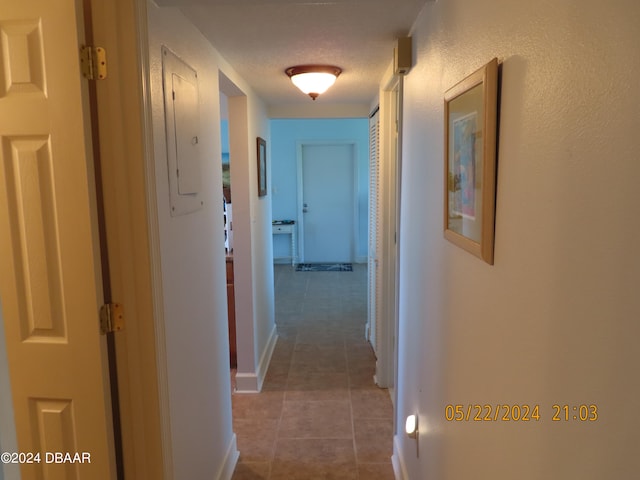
<point>475,412</point>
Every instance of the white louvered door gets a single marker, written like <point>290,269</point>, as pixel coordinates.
<point>374,287</point>
<point>384,291</point>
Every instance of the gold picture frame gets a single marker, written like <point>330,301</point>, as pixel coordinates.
<point>471,122</point>
<point>262,167</point>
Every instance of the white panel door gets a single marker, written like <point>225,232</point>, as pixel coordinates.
<point>328,184</point>
<point>50,281</point>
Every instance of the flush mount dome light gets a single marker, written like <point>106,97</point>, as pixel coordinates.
<point>313,79</point>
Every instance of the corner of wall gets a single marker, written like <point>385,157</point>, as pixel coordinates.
<point>230,460</point>
<point>265,358</point>
<point>252,382</point>
<point>397,460</point>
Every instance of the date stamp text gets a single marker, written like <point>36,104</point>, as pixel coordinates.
<point>475,412</point>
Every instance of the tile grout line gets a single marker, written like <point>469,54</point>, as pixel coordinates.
<point>342,323</point>
<point>284,394</point>
<point>353,420</point>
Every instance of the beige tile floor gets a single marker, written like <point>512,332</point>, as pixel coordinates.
<point>319,415</point>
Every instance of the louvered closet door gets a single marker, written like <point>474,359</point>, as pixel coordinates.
<point>374,289</point>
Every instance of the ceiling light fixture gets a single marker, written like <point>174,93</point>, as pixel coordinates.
<point>313,79</point>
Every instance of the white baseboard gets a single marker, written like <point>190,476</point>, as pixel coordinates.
<point>265,358</point>
<point>252,382</point>
<point>399,467</point>
<point>282,261</point>
<point>230,460</point>
<point>246,383</point>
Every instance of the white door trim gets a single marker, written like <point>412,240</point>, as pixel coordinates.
<point>300,191</point>
<point>153,235</point>
<point>390,174</point>
<point>126,134</point>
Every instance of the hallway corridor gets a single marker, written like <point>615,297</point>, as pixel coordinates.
<point>319,415</point>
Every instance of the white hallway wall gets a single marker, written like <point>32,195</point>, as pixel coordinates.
<point>193,266</point>
<point>555,320</point>
<point>253,255</point>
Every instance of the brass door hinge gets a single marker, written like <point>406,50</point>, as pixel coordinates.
<point>111,318</point>
<point>93,62</point>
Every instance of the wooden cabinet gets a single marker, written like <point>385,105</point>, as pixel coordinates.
<point>231,305</point>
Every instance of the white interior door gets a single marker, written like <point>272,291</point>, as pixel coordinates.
<point>328,184</point>
<point>50,282</point>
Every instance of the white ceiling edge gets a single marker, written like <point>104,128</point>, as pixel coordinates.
<point>254,45</point>
<point>330,110</point>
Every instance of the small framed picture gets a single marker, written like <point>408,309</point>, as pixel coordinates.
<point>471,117</point>
<point>262,167</point>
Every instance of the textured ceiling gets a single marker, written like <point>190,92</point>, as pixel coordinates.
<point>261,38</point>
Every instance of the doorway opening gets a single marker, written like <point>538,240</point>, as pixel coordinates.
<point>228,229</point>
<point>228,124</point>
<point>319,394</point>
<point>251,260</point>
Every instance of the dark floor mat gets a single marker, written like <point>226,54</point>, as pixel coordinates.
<point>324,267</point>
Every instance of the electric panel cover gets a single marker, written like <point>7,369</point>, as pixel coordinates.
<point>185,104</point>
<point>182,120</point>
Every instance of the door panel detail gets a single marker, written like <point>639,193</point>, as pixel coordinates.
<point>22,60</point>
<point>29,176</point>
<point>53,426</point>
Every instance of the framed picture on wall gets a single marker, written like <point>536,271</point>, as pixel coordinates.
<point>470,116</point>
<point>262,167</point>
